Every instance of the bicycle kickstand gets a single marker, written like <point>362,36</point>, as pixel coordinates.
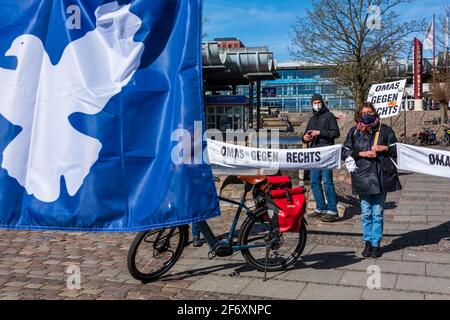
<point>265,267</point>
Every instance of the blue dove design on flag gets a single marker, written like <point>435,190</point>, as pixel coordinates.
<point>86,116</point>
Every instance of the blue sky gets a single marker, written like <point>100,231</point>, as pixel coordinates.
<point>268,22</point>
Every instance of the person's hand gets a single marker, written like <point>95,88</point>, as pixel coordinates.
<point>315,133</point>
<point>378,148</point>
<point>307,137</point>
<point>368,154</point>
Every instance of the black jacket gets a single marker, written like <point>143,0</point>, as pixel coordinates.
<point>325,122</point>
<point>373,176</point>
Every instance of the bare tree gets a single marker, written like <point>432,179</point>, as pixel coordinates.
<point>440,27</point>
<point>354,38</point>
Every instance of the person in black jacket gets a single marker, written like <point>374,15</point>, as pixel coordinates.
<point>321,131</point>
<point>375,174</point>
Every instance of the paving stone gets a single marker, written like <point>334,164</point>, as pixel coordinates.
<point>394,227</point>
<point>438,270</point>
<point>332,250</point>
<point>326,292</point>
<point>9,298</point>
<point>274,289</point>
<point>314,275</point>
<point>10,293</point>
<point>423,284</point>
<point>440,219</point>
<point>188,261</point>
<point>390,295</point>
<point>220,284</point>
<point>436,297</point>
<point>33,285</point>
<point>426,257</point>
<point>69,293</point>
<point>390,255</point>
<point>15,284</point>
<point>52,262</point>
<point>400,267</point>
<point>422,219</point>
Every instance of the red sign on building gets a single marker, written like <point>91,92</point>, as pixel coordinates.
<point>418,69</point>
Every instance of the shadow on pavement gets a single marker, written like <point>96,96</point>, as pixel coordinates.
<point>330,260</point>
<point>326,260</point>
<point>420,238</point>
<point>416,238</point>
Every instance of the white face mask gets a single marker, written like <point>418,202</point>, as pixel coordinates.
<point>317,107</point>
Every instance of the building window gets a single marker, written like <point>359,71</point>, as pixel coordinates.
<point>224,118</point>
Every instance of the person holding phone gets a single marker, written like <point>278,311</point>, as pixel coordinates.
<point>321,131</point>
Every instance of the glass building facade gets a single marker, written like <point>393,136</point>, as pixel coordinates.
<point>293,91</point>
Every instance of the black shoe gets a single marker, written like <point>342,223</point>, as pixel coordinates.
<point>367,250</point>
<point>376,252</point>
<point>329,218</point>
<point>315,214</point>
<point>197,242</point>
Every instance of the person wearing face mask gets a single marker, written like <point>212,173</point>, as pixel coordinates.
<point>372,146</point>
<point>321,131</point>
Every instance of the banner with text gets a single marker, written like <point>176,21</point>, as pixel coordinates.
<point>387,98</point>
<point>424,160</point>
<point>238,157</point>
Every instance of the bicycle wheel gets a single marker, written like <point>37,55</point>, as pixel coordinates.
<point>153,253</point>
<point>284,252</point>
<point>444,141</point>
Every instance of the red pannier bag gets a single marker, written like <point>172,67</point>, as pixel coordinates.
<point>288,207</point>
<point>277,183</point>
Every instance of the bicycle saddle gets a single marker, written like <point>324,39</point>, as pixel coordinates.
<point>252,179</point>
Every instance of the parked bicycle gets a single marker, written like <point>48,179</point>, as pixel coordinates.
<point>427,137</point>
<point>262,244</point>
<point>445,139</point>
<point>409,140</point>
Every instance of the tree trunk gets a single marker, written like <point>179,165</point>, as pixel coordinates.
<point>358,95</point>
<point>444,113</point>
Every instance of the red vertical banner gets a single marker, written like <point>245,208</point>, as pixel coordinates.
<point>418,69</point>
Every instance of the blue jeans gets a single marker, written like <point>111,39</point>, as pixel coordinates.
<point>316,185</point>
<point>372,218</point>
<point>195,230</point>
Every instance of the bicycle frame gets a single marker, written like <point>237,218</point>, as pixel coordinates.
<point>212,240</point>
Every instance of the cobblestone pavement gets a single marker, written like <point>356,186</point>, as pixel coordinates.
<point>415,264</point>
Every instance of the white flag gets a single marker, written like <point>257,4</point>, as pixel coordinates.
<point>446,34</point>
<point>428,43</point>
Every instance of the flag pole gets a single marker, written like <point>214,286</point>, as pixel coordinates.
<point>377,134</point>
<point>434,55</point>
<point>434,42</point>
<point>405,118</point>
<point>446,43</point>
